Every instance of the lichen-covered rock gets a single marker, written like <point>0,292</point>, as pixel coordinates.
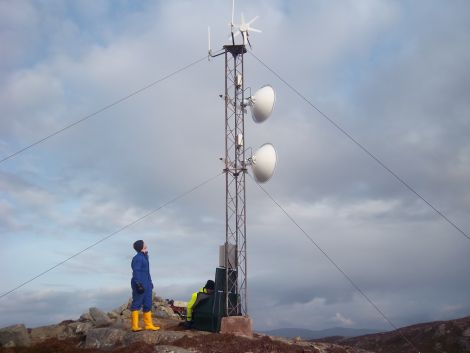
<point>113,315</point>
<point>171,336</point>
<point>14,336</point>
<point>126,314</point>
<point>121,323</point>
<point>104,338</point>
<point>78,328</point>
<point>121,309</point>
<point>149,337</point>
<point>159,312</point>
<point>85,317</point>
<point>153,337</point>
<point>43,333</point>
<point>100,318</point>
<point>165,312</point>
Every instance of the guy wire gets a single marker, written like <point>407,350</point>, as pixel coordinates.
<point>355,286</point>
<point>120,100</point>
<point>363,148</point>
<point>113,233</point>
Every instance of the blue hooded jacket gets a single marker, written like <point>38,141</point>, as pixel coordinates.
<point>141,271</point>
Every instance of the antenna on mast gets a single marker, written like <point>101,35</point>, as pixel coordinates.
<point>233,10</point>
<point>231,23</point>
<point>209,50</point>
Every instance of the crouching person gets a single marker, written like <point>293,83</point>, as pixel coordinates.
<point>141,284</point>
<point>196,297</point>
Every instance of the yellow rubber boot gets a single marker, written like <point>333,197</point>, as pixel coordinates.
<point>135,321</point>
<point>148,322</point>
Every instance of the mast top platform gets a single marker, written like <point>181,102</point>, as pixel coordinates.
<point>236,49</point>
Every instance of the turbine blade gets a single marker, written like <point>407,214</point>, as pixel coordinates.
<point>254,30</point>
<point>243,19</point>
<point>253,20</point>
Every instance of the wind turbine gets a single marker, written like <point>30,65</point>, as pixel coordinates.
<point>245,28</point>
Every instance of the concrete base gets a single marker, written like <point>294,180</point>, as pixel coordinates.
<point>237,325</point>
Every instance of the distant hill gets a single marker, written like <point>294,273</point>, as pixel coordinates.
<point>451,336</point>
<point>315,334</point>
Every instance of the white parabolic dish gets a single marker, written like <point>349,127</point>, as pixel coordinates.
<point>264,163</point>
<point>263,103</point>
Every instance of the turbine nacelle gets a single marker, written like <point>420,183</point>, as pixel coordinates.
<point>244,28</point>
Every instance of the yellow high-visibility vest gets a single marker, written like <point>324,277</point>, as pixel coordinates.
<point>192,302</point>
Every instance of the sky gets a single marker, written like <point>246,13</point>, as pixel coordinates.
<point>393,74</point>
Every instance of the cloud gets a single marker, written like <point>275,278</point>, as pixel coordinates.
<point>378,68</point>
<point>7,222</point>
<point>43,304</point>
<point>342,320</point>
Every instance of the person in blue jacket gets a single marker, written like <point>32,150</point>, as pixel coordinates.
<point>142,286</point>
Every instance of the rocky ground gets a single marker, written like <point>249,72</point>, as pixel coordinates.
<point>433,337</point>
<point>97,331</point>
<point>213,343</point>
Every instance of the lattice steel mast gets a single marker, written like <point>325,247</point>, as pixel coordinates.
<point>235,172</point>
<point>234,252</point>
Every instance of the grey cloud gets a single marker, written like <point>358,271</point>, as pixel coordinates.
<point>44,304</point>
<point>7,221</point>
<point>371,66</point>
<point>24,203</point>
